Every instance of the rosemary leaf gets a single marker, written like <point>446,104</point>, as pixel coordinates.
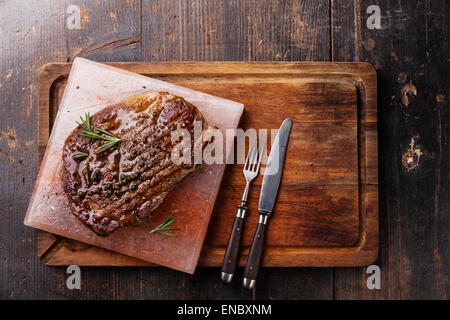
<point>88,120</point>
<point>107,133</point>
<point>88,173</point>
<point>81,125</point>
<point>106,146</point>
<point>80,156</point>
<point>167,233</point>
<point>92,135</point>
<point>81,149</point>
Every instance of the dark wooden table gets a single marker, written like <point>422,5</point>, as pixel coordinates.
<point>410,53</point>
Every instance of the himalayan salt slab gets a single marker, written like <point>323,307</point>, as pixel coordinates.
<point>92,86</point>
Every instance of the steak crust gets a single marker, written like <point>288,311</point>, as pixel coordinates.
<point>128,181</point>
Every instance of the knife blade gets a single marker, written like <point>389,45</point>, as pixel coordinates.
<point>274,169</point>
<point>269,191</point>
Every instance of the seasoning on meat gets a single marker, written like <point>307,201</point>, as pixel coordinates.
<point>124,183</point>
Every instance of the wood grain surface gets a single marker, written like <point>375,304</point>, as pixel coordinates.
<point>327,209</point>
<point>411,48</point>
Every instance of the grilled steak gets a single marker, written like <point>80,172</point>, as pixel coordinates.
<point>123,184</point>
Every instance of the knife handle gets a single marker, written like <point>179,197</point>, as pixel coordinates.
<point>255,254</point>
<point>230,259</point>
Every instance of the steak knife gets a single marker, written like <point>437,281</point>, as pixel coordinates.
<point>269,191</point>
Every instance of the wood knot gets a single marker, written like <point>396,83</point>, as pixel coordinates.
<point>408,93</point>
<point>411,157</point>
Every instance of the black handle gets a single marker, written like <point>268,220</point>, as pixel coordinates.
<point>230,259</point>
<point>254,256</point>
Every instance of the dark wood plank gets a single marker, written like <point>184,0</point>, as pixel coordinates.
<point>345,29</point>
<point>18,162</point>
<point>35,34</point>
<point>110,31</point>
<point>295,284</point>
<point>204,284</point>
<point>409,50</point>
<point>261,30</point>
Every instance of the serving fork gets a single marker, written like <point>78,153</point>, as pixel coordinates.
<point>251,170</point>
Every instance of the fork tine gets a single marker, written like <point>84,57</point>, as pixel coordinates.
<point>253,162</point>
<point>250,151</point>
<point>261,151</point>
<point>246,159</point>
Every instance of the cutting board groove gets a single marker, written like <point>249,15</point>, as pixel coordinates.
<point>327,209</point>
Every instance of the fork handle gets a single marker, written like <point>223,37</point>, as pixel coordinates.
<point>232,253</point>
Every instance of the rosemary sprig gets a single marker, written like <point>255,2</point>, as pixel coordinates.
<point>88,173</point>
<point>105,135</point>
<point>162,228</point>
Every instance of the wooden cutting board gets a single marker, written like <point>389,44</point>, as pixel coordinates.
<point>327,208</point>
